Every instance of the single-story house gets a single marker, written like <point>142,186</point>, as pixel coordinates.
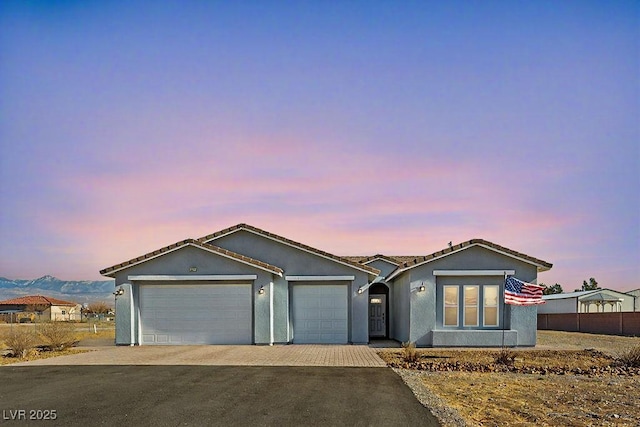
<point>595,301</point>
<point>41,308</point>
<point>245,285</point>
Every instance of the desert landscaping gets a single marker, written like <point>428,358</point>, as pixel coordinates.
<point>569,379</point>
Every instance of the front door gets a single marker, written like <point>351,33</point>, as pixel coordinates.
<point>377,315</point>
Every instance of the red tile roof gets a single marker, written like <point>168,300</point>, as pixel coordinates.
<point>206,246</point>
<point>37,300</point>
<point>290,242</point>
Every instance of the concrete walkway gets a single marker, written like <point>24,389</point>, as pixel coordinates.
<point>222,355</point>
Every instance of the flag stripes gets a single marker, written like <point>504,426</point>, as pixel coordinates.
<point>517,292</point>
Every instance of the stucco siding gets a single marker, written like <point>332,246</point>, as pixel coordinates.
<point>297,262</point>
<point>401,308</point>
<point>427,307</point>
<point>385,267</point>
<point>178,263</point>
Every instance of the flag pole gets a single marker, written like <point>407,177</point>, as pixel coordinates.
<point>504,305</point>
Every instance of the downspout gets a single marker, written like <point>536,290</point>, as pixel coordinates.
<point>271,313</point>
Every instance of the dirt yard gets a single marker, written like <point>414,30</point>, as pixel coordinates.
<point>84,333</point>
<point>570,379</point>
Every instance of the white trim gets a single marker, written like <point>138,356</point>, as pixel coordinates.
<point>110,274</point>
<point>271,336</point>
<point>291,245</point>
<point>464,306</point>
<point>381,259</point>
<point>444,306</point>
<point>484,306</point>
<point>181,278</point>
<point>473,272</point>
<point>132,313</point>
<point>318,278</point>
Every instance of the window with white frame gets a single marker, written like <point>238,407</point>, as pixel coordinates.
<point>471,305</point>
<point>451,305</point>
<point>490,305</point>
<point>465,305</point>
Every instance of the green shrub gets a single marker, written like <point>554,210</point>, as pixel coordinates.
<point>58,335</point>
<point>409,353</point>
<point>20,341</point>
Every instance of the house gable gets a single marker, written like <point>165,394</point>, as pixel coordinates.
<point>295,258</point>
<point>383,264</point>
<point>464,248</point>
<point>203,247</point>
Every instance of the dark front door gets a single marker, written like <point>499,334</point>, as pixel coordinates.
<point>377,315</point>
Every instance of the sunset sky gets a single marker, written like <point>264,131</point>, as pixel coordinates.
<point>357,127</point>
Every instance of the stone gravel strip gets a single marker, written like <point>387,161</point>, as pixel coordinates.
<point>446,415</point>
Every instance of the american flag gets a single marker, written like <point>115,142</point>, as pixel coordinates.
<point>517,292</point>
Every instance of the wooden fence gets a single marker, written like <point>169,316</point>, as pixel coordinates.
<point>622,323</point>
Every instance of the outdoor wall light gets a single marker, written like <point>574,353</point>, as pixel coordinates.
<point>118,292</point>
<point>421,288</point>
<point>261,290</point>
<point>360,290</point>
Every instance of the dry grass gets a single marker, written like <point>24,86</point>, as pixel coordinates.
<point>499,399</point>
<point>589,389</point>
<point>611,344</point>
<point>60,333</point>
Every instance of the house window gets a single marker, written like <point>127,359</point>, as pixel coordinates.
<point>466,305</point>
<point>451,306</point>
<point>471,305</point>
<point>490,305</point>
<point>64,312</point>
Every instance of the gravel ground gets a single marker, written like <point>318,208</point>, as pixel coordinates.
<point>446,415</point>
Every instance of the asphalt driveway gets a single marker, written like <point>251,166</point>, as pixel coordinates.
<point>209,395</point>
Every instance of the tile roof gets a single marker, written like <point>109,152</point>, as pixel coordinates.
<point>415,261</point>
<point>366,259</point>
<point>37,300</point>
<point>290,242</point>
<point>212,248</point>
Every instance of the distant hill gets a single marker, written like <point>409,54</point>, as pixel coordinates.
<point>70,290</point>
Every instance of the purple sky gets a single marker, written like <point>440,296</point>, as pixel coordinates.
<point>354,127</point>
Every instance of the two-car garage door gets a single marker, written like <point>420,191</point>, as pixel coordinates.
<point>320,314</point>
<point>195,314</point>
<point>222,314</point>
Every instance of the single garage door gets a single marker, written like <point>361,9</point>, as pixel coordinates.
<point>195,314</point>
<point>320,314</point>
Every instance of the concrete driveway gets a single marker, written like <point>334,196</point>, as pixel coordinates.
<point>208,395</point>
<point>226,355</point>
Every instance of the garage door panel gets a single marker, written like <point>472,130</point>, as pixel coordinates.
<point>320,314</point>
<point>196,314</point>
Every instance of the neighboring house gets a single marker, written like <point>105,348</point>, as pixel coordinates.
<point>244,285</point>
<point>41,308</point>
<point>595,301</point>
<point>636,294</point>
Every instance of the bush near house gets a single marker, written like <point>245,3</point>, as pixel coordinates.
<point>19,341</point>
<point>58,335</point>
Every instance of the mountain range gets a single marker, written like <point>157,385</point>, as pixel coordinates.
<point>79,291</point>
